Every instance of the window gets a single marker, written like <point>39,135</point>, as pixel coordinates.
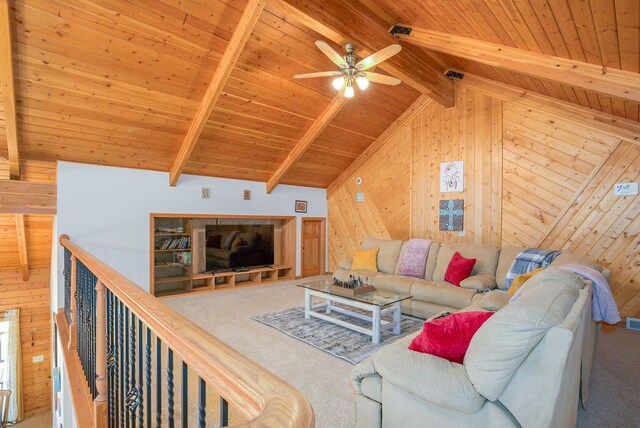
<point>4,349</point>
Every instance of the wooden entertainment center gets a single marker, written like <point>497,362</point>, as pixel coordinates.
<point>178,253</point>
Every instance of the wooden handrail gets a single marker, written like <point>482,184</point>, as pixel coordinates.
<point>259,395</point>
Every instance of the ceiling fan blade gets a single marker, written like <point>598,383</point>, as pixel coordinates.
<point>381,78</point>
<point>317,74</point>
<point>376,58</point>
<point>331,54</point>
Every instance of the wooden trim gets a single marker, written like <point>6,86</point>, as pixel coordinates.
<point>625,129</point>
<point>390,132</point>
<point>592,77</point>
<point>23,197</point>
<point>7,82</point>
<point>22,247</point>
<point>228,61</point>
<point>323,242</point>
<point>308,138</point>
<point>258,395</point>
<point>215,216</point>
<point>415,67</point>
<point>80,395</point>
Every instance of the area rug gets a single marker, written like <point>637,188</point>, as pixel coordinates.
<point>339,341</point>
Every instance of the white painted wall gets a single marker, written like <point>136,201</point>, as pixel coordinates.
<point>106,210</point>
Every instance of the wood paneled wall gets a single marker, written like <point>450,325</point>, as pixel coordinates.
<point>32,298</point>
<point>532,178</point>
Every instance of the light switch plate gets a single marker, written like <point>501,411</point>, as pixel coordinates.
<point>205,192</point>
<point>359,197</point>
<point>38,359</point>
<point>625,189</point>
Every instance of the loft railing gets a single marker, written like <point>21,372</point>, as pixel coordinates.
<point>144,364</point>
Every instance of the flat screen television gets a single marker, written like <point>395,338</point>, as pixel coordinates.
<point>233,246</point>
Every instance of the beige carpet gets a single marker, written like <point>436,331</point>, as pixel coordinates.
<point>324,379</point>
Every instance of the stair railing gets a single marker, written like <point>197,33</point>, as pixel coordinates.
<point>127,342</point>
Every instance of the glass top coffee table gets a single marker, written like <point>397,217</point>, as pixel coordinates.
<point>377,302</point>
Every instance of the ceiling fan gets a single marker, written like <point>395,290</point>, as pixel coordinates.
<point>351,71</point>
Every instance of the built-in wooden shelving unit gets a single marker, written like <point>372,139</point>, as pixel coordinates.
<point>170,276</point>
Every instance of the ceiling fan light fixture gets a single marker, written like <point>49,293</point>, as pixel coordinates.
<point>363,82</point>
<point>338,83</point>
<point>348,91</point>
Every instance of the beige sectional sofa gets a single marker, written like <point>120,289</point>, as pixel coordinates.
<point>523,368</point>
<point>432,294</point>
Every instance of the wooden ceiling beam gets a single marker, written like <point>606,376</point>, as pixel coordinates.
<point>597,78</point>
<point>8,90</point>
<point>390,132</point>
<point>307,139</point>
<point>22,247</point>
<point>228,61</point>
<point>343,22</point>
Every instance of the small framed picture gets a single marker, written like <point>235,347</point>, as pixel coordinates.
<point>301,206</point>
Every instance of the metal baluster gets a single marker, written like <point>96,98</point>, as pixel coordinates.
<point>92,332</point>
<point>127,382</point>
<point>170,414</point>
<point>224,412</point>
<point>133,391</point>
<point>123,385</point>
<point>140,382</point>
<point>110,357</point>
<point>202,403</point>
<point>148,375</point>
<point>185,395</point>
<point>116,361</point>
<point>158,382</point>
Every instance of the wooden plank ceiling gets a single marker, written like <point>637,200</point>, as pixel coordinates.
<point>119,83</point>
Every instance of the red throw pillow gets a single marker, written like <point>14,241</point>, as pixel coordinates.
<point>459,268</point>
<point>449,337</point>
<point>214,241</point>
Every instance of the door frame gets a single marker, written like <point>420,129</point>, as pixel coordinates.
<point>323,244</point>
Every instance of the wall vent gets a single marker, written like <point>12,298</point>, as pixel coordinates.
<point>633,323</point>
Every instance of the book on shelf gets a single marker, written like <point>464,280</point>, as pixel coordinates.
<point>183,257</point>
<point>175,243</point>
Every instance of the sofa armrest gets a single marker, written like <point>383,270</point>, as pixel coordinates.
<point>361,371</point>
<point>494,300</point>
<point>481,281</point>
<point>344,264</point>
<point>429,378</point>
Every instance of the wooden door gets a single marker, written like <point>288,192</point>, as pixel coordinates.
<point>312,247</point>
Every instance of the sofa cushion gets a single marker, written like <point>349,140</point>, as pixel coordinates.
<point>429,378</point>
<point>449,337</point>
<point>441,293</point>
<point>459,268</point>
<point>505,340</point>
<point>393,283</point>
<point>481,281</point>
<point>486,258</point>
<point>388,252</point>
<point>344,264</point>
<point>365,260</point>
<point>507,256</point>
